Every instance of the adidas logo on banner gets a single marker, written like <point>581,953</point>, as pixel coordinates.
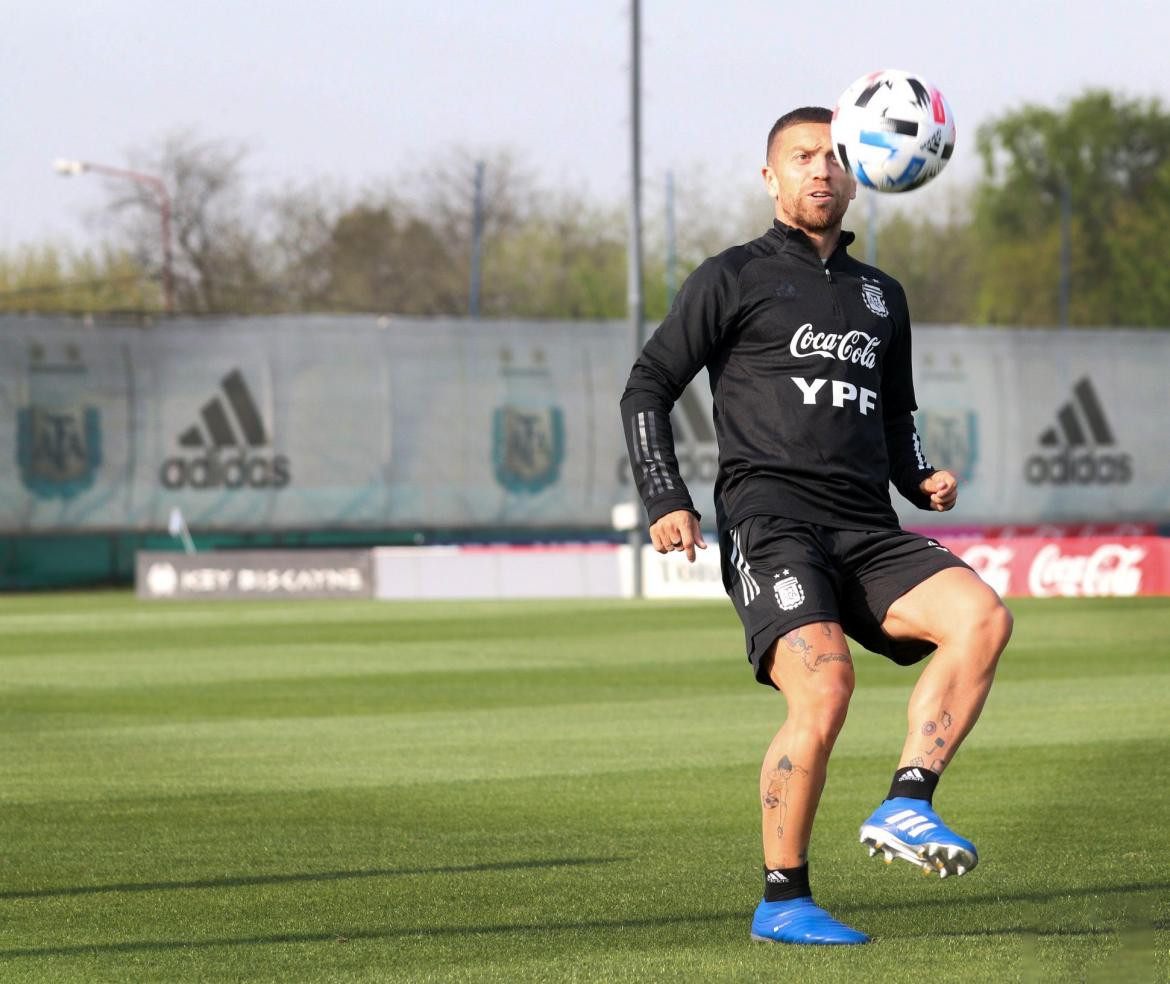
<point>1075,444</point>
<point>223,444</point>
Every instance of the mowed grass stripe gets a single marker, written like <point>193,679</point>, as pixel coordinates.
<point>591,821</point>
<point>542,738</point>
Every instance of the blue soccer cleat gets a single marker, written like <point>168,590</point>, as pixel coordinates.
<point>910,829</point>
<point>801,921</point>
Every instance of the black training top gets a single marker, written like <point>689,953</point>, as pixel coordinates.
<point>809,365</point>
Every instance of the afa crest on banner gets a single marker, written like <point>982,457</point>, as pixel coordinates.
<point>951,440</point>
<point>58,451</point>
<point>528,447</point>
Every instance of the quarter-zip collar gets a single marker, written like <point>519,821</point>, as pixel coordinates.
<point>787,238</point>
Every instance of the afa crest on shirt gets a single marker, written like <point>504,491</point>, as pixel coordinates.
<point>875,300</point>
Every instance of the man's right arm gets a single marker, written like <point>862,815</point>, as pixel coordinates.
<point>677,350</point>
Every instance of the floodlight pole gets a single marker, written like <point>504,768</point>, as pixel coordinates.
<point>634,249</point>
<point>69,168</point>
<point>1065,288</point>
<point>671,250</point>
<point>476,241</point>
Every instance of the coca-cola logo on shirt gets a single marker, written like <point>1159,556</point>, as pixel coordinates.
<point>1111,569</point>
<point>857,347</point>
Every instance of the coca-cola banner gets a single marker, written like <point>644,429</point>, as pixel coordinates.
<point>1080,567</point>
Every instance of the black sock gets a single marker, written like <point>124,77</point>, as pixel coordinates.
<point>914,781</point>
<point>782,884</point>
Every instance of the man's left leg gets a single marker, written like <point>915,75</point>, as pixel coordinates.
<point>965,619</point>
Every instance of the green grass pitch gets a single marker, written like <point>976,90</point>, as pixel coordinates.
<point>545,792</point>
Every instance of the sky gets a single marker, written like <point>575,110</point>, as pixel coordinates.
<point>355,92</point>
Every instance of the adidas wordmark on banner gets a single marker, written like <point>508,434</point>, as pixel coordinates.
<point>226,445</point>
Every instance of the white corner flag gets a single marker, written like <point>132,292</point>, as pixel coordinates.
<point>177,527</point>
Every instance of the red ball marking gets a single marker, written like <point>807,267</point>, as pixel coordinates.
<point>936,104</point>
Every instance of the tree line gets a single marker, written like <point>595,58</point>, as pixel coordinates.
<point>1065,221</point>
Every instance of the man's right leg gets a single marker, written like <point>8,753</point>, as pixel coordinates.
<point>811,666</point>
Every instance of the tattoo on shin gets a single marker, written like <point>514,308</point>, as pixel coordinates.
<point>917,760</point>
<point>929,728</point>
<point>776,795</point>
<point>947,721</point>
<point>938,765</point>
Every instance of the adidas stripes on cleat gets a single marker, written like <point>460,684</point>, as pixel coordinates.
<point>801,921</point>
<point>910,829</point>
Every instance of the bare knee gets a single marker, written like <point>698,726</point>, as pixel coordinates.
<point>985,626</point>
<point>822,705</point>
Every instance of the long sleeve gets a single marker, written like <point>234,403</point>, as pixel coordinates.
<point>908,464</point>
<point>679,348</point>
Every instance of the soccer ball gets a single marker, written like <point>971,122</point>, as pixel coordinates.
<point>893,131</point>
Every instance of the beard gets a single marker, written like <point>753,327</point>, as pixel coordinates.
<point>817,219</point>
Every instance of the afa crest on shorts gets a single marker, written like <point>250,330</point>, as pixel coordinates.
<point>789,593</point>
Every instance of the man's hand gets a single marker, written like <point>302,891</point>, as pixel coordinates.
<point>943,489</point>
<point>678,530</point>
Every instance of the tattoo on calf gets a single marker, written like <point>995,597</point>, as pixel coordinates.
<point>938,765</point>
<point>776,795</point>
<point>917,760</point>
<point>939,743</point>
<point>929,728</point>
<point>947,721</point>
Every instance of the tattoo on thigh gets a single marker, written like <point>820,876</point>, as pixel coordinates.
<point>776,795</point>
<point>829,658</point>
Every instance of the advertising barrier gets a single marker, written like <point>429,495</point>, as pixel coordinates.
<point>283,423</point>
<point>1029,567</point>
<point>251,574</point>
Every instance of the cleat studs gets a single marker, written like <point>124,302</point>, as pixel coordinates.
<point>942,872</point>
<point>960,870</point>
<point>889,855</point>
<point>927,870</point>
<point>951,853</point>
<point>872,851</point>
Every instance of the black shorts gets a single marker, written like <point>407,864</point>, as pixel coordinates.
<point>784,573</point>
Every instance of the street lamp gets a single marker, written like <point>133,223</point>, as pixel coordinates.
<point>68,168</point>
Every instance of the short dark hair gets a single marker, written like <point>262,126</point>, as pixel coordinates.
<point>805,114</point>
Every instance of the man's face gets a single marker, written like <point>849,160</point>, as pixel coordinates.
<point>811,189</point>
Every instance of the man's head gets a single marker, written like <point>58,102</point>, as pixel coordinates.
<point>811,189</point>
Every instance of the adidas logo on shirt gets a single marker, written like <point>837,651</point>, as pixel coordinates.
<point>1077,447</point>
<point>225,446</point>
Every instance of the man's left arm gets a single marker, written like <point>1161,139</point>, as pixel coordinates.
<point>915,478</point>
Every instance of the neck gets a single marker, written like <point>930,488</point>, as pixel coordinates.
<point>824,240</point>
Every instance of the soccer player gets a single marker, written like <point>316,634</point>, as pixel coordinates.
<point>808,354</point>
